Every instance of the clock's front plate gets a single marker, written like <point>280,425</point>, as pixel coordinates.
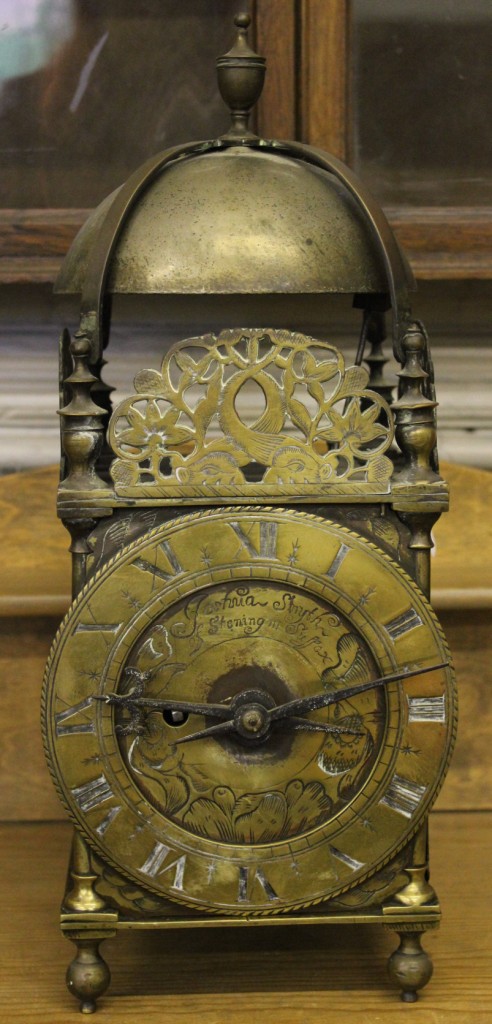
<point>247,611</point>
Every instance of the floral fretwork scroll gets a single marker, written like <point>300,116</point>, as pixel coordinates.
<point>259,413</point>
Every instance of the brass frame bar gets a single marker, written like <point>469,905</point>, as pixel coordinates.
<point>431,917</point>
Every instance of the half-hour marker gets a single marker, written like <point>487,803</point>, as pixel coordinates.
<point>92,793</point>
<point>62,717</point>
<point>163,574</point>
<point>268,540</point>
<point>403,623</point>
<point>244,884</point>
<point>426,709</point>
<point>403,796</point>
<point>337,561</point>
<point>155,860</point>
<point>351,862</point>
<point>105,823</point>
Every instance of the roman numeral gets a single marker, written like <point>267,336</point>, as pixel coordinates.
<point>76,727</point>
<point>426,709</point>
<point>98,627</point>
<point>153,865</point>
<point>105,823</point>
<point>268,540</point>
<point>179,873</point>
<point>92,793</point>
<point>403,796</point>
<point>162,574</point>
<point>337,561</point>
<point>403,623</point>
<point>244,885</point>
<point>351,862</point>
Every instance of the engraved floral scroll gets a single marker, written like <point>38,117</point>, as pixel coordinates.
<point>251,412</point>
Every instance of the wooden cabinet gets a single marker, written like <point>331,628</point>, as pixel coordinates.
<point>445,222</point>
<point>129,79</point>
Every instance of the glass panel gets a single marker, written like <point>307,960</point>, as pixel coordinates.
<point>423,100</point>
<point>90,88</point>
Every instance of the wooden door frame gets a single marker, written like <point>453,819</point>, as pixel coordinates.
<point>307,96</point>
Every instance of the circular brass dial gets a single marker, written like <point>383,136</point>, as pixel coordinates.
<point>170,724</point>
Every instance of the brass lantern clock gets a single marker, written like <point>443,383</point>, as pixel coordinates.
<point>249,708</point>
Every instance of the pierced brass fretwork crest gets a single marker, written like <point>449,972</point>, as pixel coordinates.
<point>251,412</point>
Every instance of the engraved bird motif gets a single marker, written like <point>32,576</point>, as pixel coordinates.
<point>261,440</point>
<point>352,665</point>
<point>155,649</point>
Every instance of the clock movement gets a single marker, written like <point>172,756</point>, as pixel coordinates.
<point>249,707</point>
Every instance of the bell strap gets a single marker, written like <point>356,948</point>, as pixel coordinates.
<point>94,288</point>
<point>398,272</point>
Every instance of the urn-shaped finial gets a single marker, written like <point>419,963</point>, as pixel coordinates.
<point>240,74</point>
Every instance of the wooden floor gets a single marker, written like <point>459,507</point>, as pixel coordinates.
<point>268,976</point>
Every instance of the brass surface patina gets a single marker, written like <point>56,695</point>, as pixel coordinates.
<point>250,707</point>
<point>182,435</point>
<point>186,734</point>
<point>290,242</point>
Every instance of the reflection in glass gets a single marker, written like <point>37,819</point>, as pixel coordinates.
<point>32,33</point>
<point>423,100</point>
<point>90,88</point>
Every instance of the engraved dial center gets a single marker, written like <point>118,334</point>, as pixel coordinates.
<point>250,648</point>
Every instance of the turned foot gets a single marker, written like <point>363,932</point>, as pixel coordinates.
<point>88,975</point>
<point>410,967</point>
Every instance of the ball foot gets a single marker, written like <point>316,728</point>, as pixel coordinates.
<point>409,997</point>
<point>410,967</point>
<point>88,975</point>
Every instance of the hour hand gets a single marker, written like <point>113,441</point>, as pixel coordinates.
<point>130,701</point>
<point>220,729</point>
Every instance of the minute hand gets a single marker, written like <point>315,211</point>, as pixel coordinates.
<point>323,700</point>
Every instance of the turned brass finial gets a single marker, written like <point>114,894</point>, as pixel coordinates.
<point>82,422</point>
<point>415,413</point>
<point>82,896</point>
<point>240,75</point>
<point>376,359</point>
